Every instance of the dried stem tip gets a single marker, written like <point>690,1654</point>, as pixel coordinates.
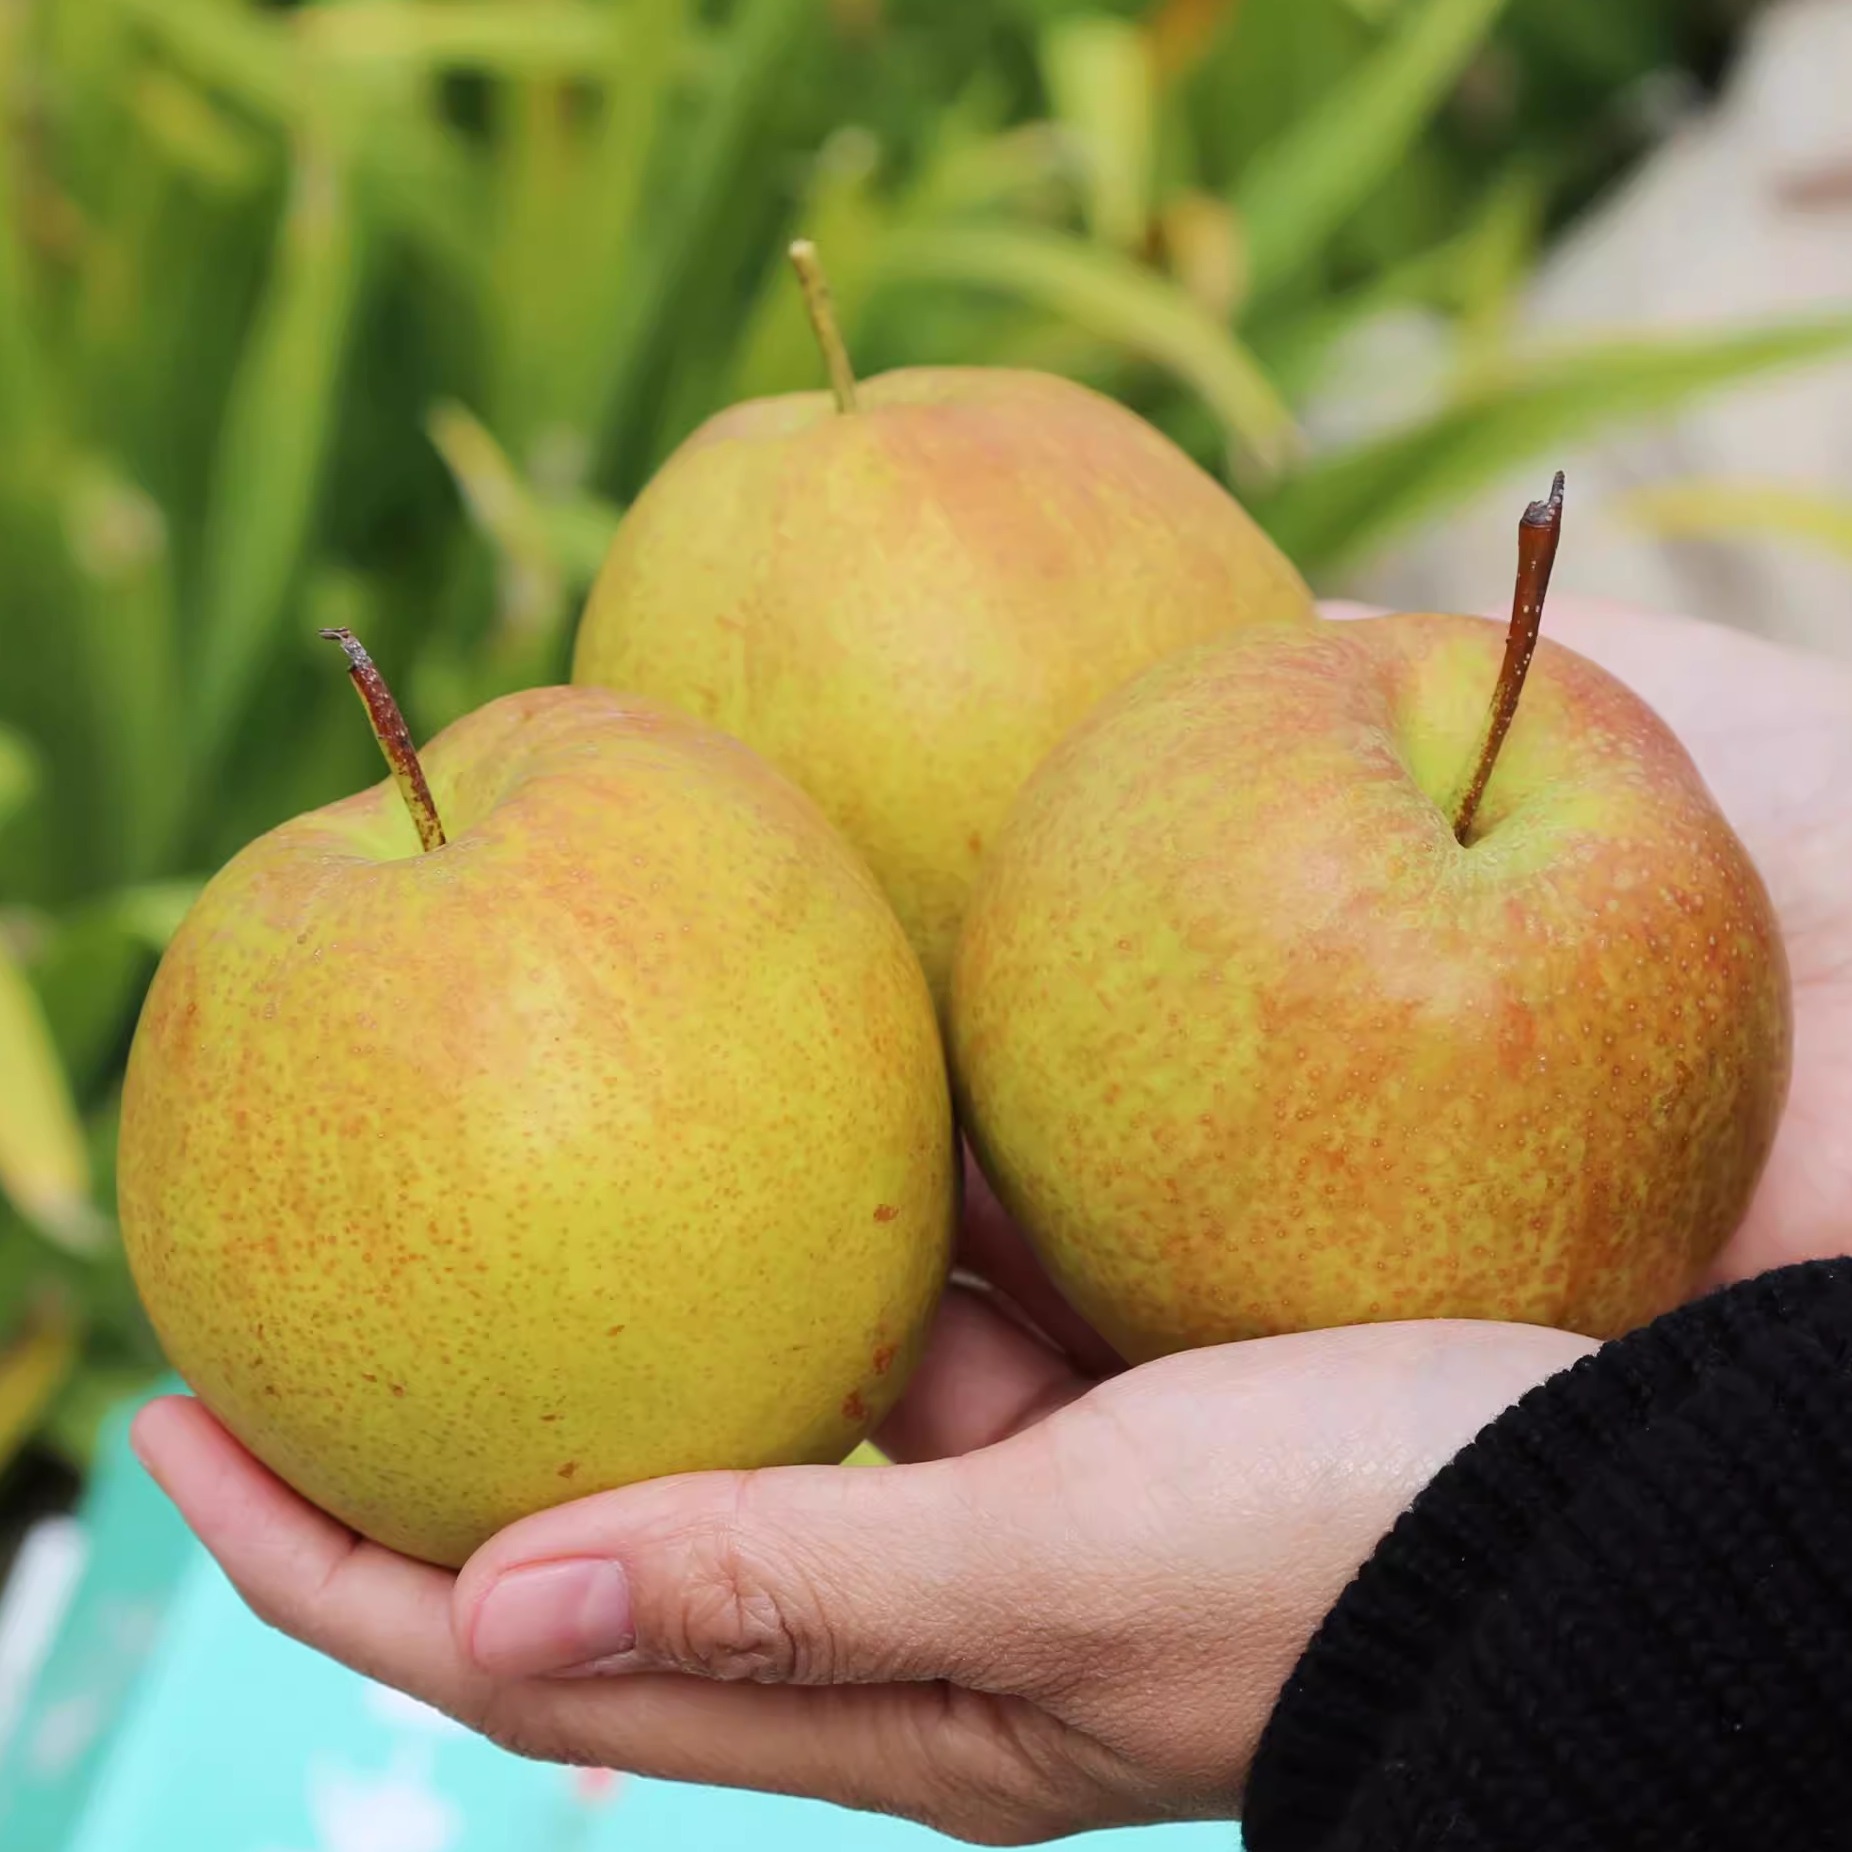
<point>817,299</point>
<point>394,737</point>
<point>1539,533</point>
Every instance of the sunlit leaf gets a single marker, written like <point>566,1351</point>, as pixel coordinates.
<point>1101,79</point>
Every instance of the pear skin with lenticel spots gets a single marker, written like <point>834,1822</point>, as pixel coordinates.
<point>906,603</point>
<point>610,1137</point>
<point>1252,1040</point>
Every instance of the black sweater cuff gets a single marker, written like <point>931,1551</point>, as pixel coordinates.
<point>1621,1617</point>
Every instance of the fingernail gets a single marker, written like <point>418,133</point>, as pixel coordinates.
<point>552,1615</point>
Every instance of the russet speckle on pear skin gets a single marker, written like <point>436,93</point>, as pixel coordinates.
<point>611,1139</point>
<point>907,605</point>
<point>1250,1044</point>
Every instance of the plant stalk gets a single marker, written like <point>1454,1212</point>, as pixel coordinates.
<point>817,299</point>
<point>394,736</point>
<point>1539,534</point>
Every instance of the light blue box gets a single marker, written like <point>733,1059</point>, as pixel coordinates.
<point>167,1719</point>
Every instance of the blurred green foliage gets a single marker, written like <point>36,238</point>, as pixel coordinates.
<point>375,312</point>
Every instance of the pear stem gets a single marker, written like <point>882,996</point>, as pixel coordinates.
<point>1539,533</point>
<point>394,736</point>
<point>817,299</point>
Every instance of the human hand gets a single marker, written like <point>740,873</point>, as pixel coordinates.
<point>1078,1605</point>
<point>1077,1613</point>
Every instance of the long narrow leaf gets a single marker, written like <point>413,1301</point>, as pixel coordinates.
<point>564,539</point>
<point>234,48</point>
<point>273,445</point>
<point>21,371</point>
<point>1764,510</point>
<point>763,38</point>
<point>33,1368</point>
<point>19,774</point>
<point>1119,300</point>
<point>552,38</point>
<point>118,542</point>
<point>1101,77</point>
<point>618,170</point>
<point>1339,507</point>
<point>44,1166</point>
<point>1301,188</point>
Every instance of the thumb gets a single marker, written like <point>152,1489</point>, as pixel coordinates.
<point>809,1575</point>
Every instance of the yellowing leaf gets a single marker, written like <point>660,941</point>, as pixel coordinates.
<point>44,1168</point>
<point>1776,510</point>
<point>32,1370</point>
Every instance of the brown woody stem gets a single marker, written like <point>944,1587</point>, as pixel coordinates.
<point>395,739</point>
<point>1539,533</point>
<point>817,300</point>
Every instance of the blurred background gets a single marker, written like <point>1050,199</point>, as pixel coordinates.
<point>376,312</point>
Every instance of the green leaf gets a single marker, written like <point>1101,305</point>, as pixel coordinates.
<point>236,49</point>
<point>1340,506</point>
<point>1100,77</point>
<point>547,551</point>
<point>613,200</point>
<point>777,349</point>
<point>73,1422</point>
<point>151,913</point>
<point>22,372</point>
<point>274,441</point>
<point>33,1368</point>
<point>1299,189</point>
<point>206,142</point>
<point>44,1165</point>
<point>1119,300</point>
<point>19,774</point>
<point>544,39</point>
<point>743,85</point>
<point>117,540</point>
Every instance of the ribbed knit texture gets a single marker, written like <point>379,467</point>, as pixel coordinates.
<point>1622,1617</point>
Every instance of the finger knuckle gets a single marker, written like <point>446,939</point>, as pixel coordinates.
<point>739,1617</point>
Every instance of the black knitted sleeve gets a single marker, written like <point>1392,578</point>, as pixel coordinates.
<point>1622,1617</point>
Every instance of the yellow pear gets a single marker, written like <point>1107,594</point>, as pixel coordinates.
<point>605,1135</point>
<point>905,592</point>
